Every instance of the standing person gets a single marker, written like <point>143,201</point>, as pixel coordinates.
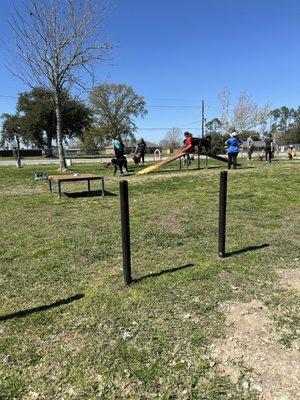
<point>250,147</point>
<point>269,147</point>
<point>140,149</point>
<point>188,145</point>
<point>119,147</point>
<point>233,144</point>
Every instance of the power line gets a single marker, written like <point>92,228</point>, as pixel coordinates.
<point>165,128</point>
<point>173,106</point>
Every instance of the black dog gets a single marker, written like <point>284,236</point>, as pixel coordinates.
<point>119,162</point>
<point>203,142</point>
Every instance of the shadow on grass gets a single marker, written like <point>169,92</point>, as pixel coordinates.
<point>245,249</point>
<point>45,307</point>
<point>168,170</point>
<point>163,272</point>
<point>214,166</point>
<point>94,193</point>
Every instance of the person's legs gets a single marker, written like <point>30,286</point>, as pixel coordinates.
<point>250,154</point>
<point>270,155</point>
<point>120,166</point>
<point>188,159</point>
<point>143,156</point>
<point>118,154</point>
<point>125,164</point>
<point>229,160</point>
<point>234,157</point>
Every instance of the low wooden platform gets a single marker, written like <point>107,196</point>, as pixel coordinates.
<point>59,179</point>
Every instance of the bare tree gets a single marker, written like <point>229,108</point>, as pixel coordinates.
<point>224,98</point>
<point>172,139</point>
<point>11,133</point>
<point>246,115</point>
<point>57,44</point>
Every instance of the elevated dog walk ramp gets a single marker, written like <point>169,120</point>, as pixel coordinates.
<point>220,158</point>
<point>159,164</point>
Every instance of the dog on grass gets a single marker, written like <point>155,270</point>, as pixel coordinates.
<point>119,163</point>
<point>136,158</point>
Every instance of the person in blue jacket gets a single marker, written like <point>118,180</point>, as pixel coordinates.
<point>233,144</point>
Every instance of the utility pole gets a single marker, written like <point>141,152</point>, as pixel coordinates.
<point>202,118</point>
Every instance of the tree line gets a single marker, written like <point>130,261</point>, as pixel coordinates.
<point>111,112</point>
<point>246,117</point>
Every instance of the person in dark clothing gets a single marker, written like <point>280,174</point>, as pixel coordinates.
<point>140,149</point>
<point>119,147</point>
<point>233,144</point>
<point>269,147</point>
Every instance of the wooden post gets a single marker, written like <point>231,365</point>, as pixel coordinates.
<point>125,231</point>
<point>222,213</point>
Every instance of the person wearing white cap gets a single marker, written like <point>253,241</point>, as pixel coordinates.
<point>233,144</point>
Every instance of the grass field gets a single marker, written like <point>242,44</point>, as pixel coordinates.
<point>69,329</point>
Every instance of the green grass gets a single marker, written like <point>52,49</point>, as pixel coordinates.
<point>54,249</point>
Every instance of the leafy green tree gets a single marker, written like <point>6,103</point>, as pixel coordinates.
<point>115,106</point>
<point>292,136</point>
<point>285,124</point>
<point>213,126</point>
<point>12,133</point>
<point>39,117</point>
<point>95,137</point>
<point>217,143</point>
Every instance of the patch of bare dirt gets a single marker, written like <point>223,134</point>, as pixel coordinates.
<point>252,356</point>
<point>290,278</point>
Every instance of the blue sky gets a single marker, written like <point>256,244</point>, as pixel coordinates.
<point>175,53</point>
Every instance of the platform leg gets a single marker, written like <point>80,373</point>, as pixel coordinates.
<point>102,186</point>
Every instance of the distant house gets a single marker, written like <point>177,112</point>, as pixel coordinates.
<point>130,147</point>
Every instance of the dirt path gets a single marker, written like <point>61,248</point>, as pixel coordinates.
<point>251,353</point>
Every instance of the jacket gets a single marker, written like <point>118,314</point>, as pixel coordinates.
<point>233,144</point>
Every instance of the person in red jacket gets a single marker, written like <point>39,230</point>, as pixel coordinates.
<point>188,146</point>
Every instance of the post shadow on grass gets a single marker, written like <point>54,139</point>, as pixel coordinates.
<point>94,193</point>
<point>247,248</point>
<point>58,303</point>
<point>163,272</point>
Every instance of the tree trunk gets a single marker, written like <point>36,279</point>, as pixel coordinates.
<point>49,151</point>
<point>18,152</point>
<point>61,155</point>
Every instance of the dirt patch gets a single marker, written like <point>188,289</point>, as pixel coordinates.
<point>252,356</point>
<point>290,278</point>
